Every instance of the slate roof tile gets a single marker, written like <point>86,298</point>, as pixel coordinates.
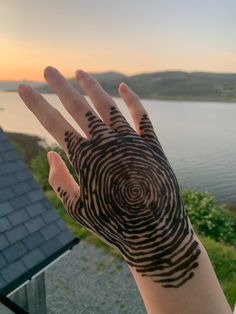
<point>4,224</point>
<point>3,262</point>
<point>33,258</point>
<point>22,188</point>
<point>16,234</point>
<point>51,246</point>
<point>34,240</point>
<point>14,252</point>
<point>35,209</point>
<point>7,180</point>
<point>8,146</point>
<point>32,233</point>
<point>11,167</point>
<point>10,155</point>
<point>13,271</point>
<point>65,237</point>
<point>5,208</point>
<point>6,194</point>
<point>51,216</point>
<point>3,242</point>
<point>2,147</point>
<point>34,224</point>
<point>22,175</point>
<point>50,231</point>
<point>61,225</point>
<point>18,217</point>
<point>36,195</point>
<point>2,282</point>
<point>32,183</point>
<point>20,201</point>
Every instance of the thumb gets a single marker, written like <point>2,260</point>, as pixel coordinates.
<point>62,181</point>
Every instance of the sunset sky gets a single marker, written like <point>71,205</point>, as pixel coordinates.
<point>126,36</point>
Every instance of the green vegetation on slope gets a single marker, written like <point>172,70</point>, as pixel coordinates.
<point>210,218</point>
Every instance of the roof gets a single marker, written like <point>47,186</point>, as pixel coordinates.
<point>32,235</point>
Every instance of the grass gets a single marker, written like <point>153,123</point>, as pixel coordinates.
<point>222,256</point>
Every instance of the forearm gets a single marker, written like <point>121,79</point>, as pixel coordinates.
<point>201,294</point>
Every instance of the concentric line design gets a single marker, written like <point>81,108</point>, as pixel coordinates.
<point>130,198</point>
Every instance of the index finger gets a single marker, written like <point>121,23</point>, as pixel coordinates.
<point>51,119</point>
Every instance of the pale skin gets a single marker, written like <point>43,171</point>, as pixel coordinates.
<point>200,295</point>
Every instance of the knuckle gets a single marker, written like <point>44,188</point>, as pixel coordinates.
<point>72,104</point>
<point>48,118</point>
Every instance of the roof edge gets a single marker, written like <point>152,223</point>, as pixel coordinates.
<point>28,276</point>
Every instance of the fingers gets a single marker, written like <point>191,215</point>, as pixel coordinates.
<point>143,125</point>
<point>47,115</point>
<point>104,104</point>
<point>74,103</point>
<point>134,105</point>
<point>62,181</point>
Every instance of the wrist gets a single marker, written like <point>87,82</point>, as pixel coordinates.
<point>201,294</point>
<point>168,258</point>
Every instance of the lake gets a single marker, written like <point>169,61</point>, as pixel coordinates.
<point>199,138</point>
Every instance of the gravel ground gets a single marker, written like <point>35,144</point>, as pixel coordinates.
<point>87,280</point>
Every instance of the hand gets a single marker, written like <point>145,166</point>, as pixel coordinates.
<point>128,194</point>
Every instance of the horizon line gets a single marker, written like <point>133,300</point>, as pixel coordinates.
<point>128,75</point>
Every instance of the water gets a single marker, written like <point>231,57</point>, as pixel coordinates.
<point>199,138</point>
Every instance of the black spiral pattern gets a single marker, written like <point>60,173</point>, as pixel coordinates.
<point>130,198</point>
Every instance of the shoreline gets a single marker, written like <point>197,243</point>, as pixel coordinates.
<point>201,100</point>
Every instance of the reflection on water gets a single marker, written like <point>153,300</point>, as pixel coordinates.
<point>199,138</point>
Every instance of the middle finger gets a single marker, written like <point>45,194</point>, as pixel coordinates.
<point>103,103</point>
<point>74,103</point>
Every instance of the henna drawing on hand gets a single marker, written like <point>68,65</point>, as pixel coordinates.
<point>130,198</point>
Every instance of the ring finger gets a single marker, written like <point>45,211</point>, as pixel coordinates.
<point>74,103</point>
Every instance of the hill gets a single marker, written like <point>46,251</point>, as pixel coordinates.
<point>12,85</point>
<point>172,85</point>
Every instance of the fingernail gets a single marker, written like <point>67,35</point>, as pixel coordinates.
<point>24,90</point>
<point>124,87</point>
<point>80,74</point>
<point>50,71</point>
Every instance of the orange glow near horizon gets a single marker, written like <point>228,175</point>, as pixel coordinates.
<point>100,36</point>
<point>27,62</point>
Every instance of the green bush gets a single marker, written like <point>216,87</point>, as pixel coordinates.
<point>40,166</point>
<point>210,218</point>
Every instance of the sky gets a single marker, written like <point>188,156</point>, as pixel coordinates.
<point>130,37</point>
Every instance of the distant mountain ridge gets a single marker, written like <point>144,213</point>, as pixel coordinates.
<point>168,85</point>
<point>12,85</point>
